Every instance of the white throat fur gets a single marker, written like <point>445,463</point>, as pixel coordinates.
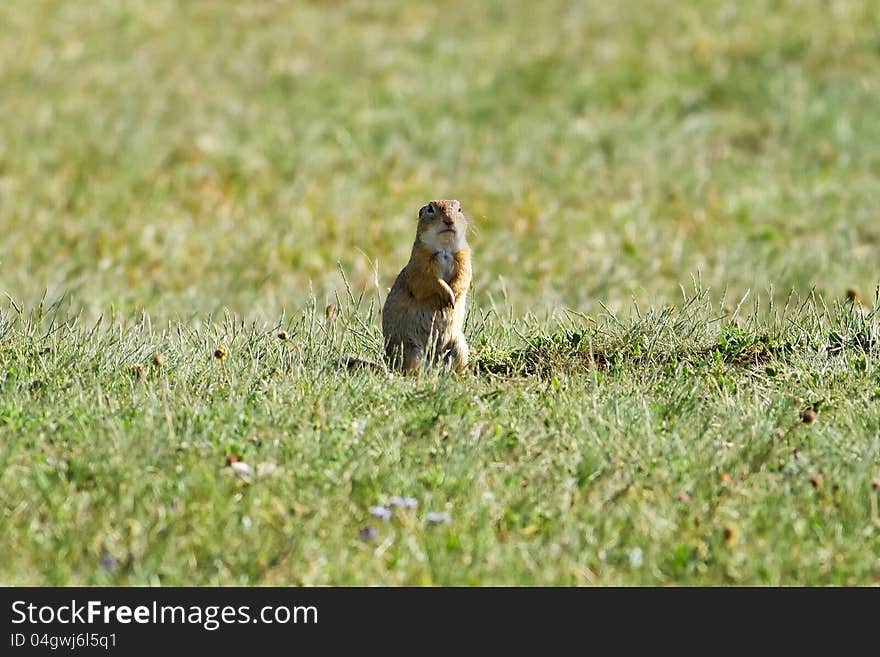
<point>437,241</point>
<point>445,246</point>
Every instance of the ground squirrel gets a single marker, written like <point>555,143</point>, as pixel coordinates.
<point>424,313</point>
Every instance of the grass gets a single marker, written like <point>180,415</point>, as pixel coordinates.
<point>666,448</point>
<point>176,177</point>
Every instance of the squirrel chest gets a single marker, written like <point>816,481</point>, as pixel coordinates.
<point>446,260</point>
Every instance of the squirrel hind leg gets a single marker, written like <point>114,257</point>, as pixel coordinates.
<point>457,355</point>
<point>412,359</point>
<point>405,357</point>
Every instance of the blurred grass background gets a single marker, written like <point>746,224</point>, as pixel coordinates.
<point>183,157</point>
<point>188,158</point>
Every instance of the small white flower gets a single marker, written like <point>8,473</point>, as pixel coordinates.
<point>403,502</point>
<point>438,517</point>
<point>267,469</point>
<point>380,513</point>
<point>242,470</point>
<point>635,557</point>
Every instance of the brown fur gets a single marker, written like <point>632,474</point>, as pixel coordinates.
<point>424,312</point>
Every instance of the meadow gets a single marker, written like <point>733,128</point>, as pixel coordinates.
<point>674,212</point>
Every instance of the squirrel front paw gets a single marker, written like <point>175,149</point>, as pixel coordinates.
<point>447,296</point>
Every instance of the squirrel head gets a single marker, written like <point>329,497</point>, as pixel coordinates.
<point>442,225</point>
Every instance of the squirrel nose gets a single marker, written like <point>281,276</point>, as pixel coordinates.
<point>448,221</point>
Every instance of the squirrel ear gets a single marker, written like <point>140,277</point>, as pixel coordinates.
<point>422,211</point>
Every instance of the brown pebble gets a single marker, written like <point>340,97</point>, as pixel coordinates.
<point>854,295</point>
<point>815,480</point>
<point>282,335</point>
<point>809,416</point>
<point>730,535</point>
